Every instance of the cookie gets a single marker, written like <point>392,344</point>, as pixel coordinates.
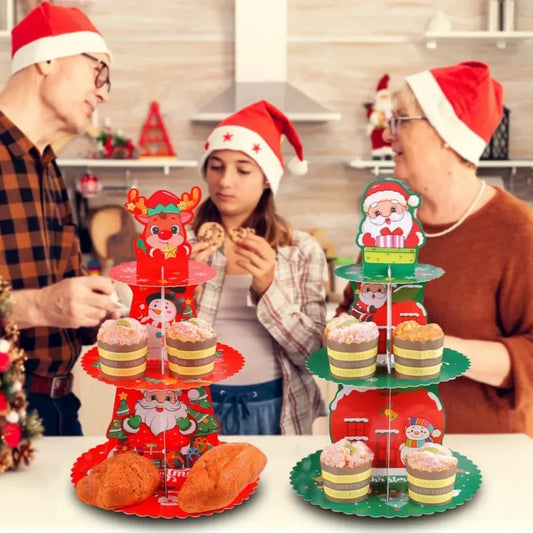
<point>212,233</point>
<point>236,234</point>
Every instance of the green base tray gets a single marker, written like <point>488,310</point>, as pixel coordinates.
<point>422,273</point>
<point>453,365</point>
<point>306,480</point>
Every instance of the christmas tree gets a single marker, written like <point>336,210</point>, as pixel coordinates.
<point>17,428</point>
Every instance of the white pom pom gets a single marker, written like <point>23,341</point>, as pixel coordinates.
<point>297,166</point>
<point>12,417</point>
<point>413,200</point>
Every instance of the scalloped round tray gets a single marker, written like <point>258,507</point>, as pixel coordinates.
<point>127,273</point>
<point>453,365</point>
<point>157,506</point>
<point>422,273</point>
<point>306,480</point>
<point>228,361</point>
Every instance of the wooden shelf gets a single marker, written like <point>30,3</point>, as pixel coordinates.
<point>500,38</point>
<point>129,164</point>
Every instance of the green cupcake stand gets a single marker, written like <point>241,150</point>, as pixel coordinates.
<point>306,480</point>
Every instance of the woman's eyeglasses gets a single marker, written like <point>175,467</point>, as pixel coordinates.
<point>102,72</point>
<point>394,122</point>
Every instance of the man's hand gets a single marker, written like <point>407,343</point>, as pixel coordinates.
<point>71,303</point>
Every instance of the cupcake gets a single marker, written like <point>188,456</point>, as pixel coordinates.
<point>352,348</point>
<point>191,347</point>
<point>122,347</point>
<point>346,470</point>
<point>417,350</point>
<point>431,474</point>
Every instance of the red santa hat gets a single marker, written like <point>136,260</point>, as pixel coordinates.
<point>49,32</point>
<point>257,130</point>
<point>383,83</point>
<point>463,103</point>
<point>388,190</point>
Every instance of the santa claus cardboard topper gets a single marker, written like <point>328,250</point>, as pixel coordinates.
<point>389,234</point>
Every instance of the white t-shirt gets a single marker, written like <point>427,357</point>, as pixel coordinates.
<point>237,326</point>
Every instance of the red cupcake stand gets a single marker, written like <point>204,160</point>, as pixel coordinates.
<point>167,419</point>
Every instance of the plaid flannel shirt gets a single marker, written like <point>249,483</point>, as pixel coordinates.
<point>293,311</point>
<point>38,242</point>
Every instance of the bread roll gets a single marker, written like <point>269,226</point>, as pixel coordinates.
<point>120,480</point>
<point>220,474</point>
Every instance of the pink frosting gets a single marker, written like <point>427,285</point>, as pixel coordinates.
<point>345,453</point>
<point>122,332</point>
<point>431,456</point>
<point>193,330</point>
<point>352,331</point>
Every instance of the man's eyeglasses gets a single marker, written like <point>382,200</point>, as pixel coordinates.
<point>393,123</point>
<point>102,72</point>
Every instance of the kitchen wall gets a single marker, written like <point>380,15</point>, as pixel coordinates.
<point>180,53</point>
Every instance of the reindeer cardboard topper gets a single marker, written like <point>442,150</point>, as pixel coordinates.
<point>162,250</point>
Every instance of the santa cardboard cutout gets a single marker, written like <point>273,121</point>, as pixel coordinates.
<point>389,233</point>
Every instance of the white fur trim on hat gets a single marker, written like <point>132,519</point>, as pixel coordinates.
<point>379,196</point>
<point>245,140</point>
<point>442,117</point>
<point>298,167</point>
<point>67,44</point>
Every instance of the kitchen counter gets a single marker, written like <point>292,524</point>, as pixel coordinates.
<point>41,496</point>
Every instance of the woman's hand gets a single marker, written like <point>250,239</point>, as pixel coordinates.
<point>200,251</point>
<point>258,258</point>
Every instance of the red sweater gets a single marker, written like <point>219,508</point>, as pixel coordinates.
<point>486,293</point>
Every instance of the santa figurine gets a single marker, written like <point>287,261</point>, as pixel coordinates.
<point>378,113</point>
<point>387,218</point>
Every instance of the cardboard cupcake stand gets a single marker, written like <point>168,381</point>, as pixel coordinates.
<point>166,418</point>
<point>392,412</point>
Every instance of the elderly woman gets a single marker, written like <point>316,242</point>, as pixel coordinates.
<point>480,235</point>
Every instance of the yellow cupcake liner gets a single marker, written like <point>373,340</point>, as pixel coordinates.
<point>417,370</point>
<point>122,372</point>
<point>353,356</point>
<point>346,478</point>
<point>352,372</point>
<point>346,494</point>
<point>417,354</point>
<point>122,356</point>
<point>191,370</point>
<point>191,354</point>
<point>431,483</point>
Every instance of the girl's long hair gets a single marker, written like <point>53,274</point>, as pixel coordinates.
<point>264,220</point>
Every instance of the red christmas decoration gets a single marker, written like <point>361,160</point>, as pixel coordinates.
<point>11,434</point>
<point>154,140</point>
<point>89,185</point>
<point>4,361</point>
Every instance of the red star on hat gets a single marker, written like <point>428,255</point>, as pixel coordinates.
<point>256,148</point>
<point>227,136</point>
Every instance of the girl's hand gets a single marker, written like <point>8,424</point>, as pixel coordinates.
<point>258,258</point>
<point>200,251</point>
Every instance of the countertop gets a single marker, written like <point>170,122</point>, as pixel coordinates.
<point>42,497</point>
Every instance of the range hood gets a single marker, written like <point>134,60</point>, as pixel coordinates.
<point>261,67</point>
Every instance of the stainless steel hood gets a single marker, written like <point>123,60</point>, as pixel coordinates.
<point>261,67</point>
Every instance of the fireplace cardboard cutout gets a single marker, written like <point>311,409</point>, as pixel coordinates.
<point>387,420</point>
